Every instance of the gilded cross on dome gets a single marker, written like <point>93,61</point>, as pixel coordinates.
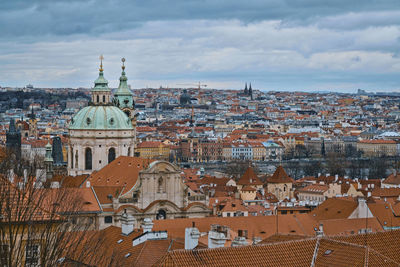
<point>101,62</point>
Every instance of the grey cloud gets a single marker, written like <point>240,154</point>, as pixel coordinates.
<point>66,17</point>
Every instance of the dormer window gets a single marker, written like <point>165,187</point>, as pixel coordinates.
<point>112,121</point>
<point>88,121</point>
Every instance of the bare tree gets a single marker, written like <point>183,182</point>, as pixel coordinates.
<point>36,224</point>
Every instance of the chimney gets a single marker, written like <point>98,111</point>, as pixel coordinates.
<point>256,240</point>
<point>55,185</point>
<point>320,231</point>
<point>127,223</point>
<point>239,241</point>
<point>11,175</point>
<point>192,235</point>
<point>217,236</point>
<point>147,225</point>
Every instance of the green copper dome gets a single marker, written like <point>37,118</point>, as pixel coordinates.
<point>101,84</point>
<point>100,118</point>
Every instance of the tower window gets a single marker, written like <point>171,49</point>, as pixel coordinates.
<point>104,98</point>
<point>111,154</point>
<point>98,99</point>
<point>88,158</point>
<point>108,219</point>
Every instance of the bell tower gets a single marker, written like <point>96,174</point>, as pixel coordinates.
<point>101,94</point>
<point>123,97</point>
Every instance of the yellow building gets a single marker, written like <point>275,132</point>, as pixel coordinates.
<point>153,150</point>
<point>259,151</point>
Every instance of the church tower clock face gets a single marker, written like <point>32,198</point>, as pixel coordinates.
<point>102,131</point>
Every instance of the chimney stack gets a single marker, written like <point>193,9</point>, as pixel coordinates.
<point>217,236</point>
<point>11,175</point>
<point>127,223</point>
<point>147,225</point>
<point>320,231</point>
<point>239,241</point>
<point>192,235</point>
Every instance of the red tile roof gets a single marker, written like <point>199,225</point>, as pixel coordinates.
<point>249,178</point>
<point>280,176</point>
<point>123,171</point>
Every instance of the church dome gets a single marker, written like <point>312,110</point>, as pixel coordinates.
<point>100,118</point>
<point>185,98</point>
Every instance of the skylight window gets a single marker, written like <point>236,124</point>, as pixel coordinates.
<point>120,241</point>
<point>127,255</point>
<point>328,252</point>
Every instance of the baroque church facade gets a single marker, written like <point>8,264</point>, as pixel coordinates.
<point>104,130</point>
<point>102,139</point>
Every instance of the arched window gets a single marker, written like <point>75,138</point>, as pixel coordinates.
<point>104,99</point>
<point>111,154</point>
<point>88,158</point>
<point>161,215</point>
<point>129,151</point>
<point>98,99</point>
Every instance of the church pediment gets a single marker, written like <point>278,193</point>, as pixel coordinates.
<point>162,167</point>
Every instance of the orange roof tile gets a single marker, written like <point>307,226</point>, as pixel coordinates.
<point>249,178</point>
<point>123,171</point>
<point>280,176</point>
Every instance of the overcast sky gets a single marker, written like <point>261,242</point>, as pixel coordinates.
<point>308,45</point>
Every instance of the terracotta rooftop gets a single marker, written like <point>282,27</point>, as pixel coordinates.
<point>315,188</point>
<point>303,252</point>
<point>249,178</point>
<point>335,208</point>
<point>280,176</point>
<point>105,194</point>
<point>392,179</point>
<point>123,171</point>
<point>257,226</point>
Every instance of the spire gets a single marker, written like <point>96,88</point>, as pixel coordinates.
<point>123,82</point>
<point>101,63</point>
<point>12,128</point>
<point>101,84</point>
<point>32,115</point>
<point>245,89</point>
<point>123,94</point>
